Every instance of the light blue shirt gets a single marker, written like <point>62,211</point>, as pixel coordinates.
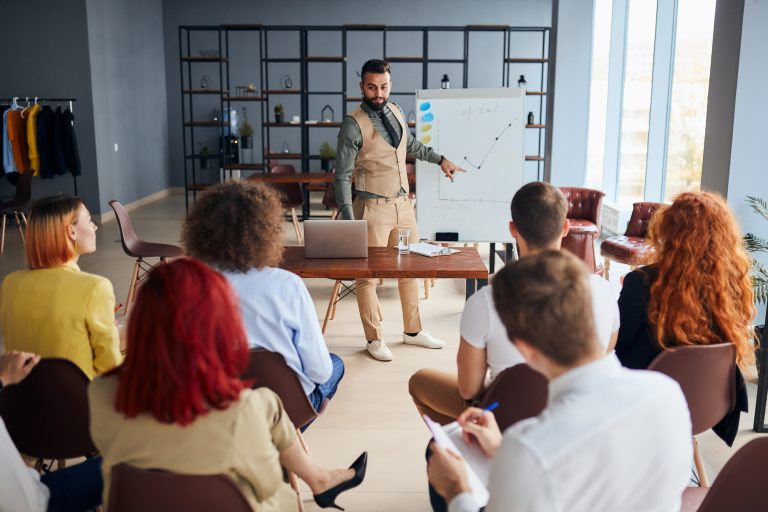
<point>8,163</point>
<point>279,316</point>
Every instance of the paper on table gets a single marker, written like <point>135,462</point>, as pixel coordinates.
<point>431,250</point>
<point>478,465</point>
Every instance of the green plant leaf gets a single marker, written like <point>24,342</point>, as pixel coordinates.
<point>759,206</point>
<point>760,281</point>
<point>755,243</point>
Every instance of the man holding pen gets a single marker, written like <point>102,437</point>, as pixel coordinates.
<point>372,145</point>
<point>609,439</point>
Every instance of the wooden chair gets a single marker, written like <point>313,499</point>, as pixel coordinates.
<point>584,211</point>
<point>269,369</point>
<point>16,206</point>
<point>631,248</point>
<point>133,489</point>
<point>139,249</point>
<point>47,413</point>
<point>292,195</point>
<point>739,486</point>
<point>707,376</point>
<point>522,393</point>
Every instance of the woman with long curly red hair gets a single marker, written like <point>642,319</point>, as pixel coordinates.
<point>177,402</point>
<point>698,291</point>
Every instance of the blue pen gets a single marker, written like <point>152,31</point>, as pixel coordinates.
<point>491,407</point>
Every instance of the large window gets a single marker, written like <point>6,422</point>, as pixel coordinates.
<point>690,87</point>
<point>636,104</point>
<point>598,94</point>
<point>648,97</point>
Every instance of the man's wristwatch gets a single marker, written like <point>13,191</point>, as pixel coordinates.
<point>442,159</point>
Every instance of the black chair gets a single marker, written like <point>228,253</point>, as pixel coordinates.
<point>16,206</point>
<point>47,413</point>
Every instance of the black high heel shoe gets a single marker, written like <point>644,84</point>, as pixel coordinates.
<point>328,498</point>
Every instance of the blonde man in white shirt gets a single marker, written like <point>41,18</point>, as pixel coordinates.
<point>538,224</point>
<point>609,439</point>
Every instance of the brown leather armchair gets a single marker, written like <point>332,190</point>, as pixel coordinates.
<point>584,212</point>
<point>631,248</point>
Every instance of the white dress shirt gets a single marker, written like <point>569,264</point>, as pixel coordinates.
<point>610,439</point>
<point>20,485</point>
<point>279,316</point>
<point>482,327</point>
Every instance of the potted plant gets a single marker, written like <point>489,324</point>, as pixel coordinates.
<point>204,153</point>
<point>245,131</point>
<point>326,153</point>
<point>279,113</point>
<point>755,244</point>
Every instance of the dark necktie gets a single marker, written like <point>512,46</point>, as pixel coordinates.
<point>390,129</point>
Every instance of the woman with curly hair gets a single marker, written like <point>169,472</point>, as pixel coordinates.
<point>236,228</point>
<point>697,291</point>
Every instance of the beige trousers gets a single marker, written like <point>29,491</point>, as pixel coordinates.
<point>436,394</point>
<point>384,217</point>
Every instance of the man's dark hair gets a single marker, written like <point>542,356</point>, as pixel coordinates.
<point>374,66</point>
<point>539,211</point>
<point>545,299</point>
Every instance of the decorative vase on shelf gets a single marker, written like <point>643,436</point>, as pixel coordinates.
<point>287,82</point>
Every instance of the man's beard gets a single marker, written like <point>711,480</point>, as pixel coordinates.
<point>377,107</point>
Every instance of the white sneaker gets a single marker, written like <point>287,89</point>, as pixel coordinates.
<point>379,350</point>
<point>423,339</point>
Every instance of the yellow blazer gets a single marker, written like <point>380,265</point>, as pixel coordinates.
<point>61,312</point>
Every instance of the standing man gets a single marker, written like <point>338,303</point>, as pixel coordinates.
<point>372,145</point>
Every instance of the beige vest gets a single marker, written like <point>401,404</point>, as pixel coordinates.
<point>380,168</point>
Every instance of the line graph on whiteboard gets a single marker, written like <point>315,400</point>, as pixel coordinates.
<point>479,164</point>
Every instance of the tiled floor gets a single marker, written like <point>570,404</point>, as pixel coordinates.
<point>372,410</point>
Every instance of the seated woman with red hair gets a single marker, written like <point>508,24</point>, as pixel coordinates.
<point>697,292</point>
<point>178,404</point>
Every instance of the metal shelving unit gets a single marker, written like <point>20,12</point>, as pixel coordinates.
<point>539,63</point>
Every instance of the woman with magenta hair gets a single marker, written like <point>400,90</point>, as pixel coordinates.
<point>178,404</point>
<point>697,291</point>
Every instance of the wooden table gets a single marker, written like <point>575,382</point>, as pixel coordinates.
<point>303,177</point>
<point>385,262</point>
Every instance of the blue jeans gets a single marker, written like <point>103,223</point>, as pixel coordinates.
<point>325,391</point>
<point>76,488</point>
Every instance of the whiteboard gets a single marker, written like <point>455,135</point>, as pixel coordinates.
<point>482,131</point>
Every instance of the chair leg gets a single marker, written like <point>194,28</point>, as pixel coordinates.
<point>426,288</point>
<point>21,231</point>
<point>132,286</point>
<point>699,462</point>
<point>333,213</point>
<point>296,224</point>
<point>2,240</point>
<point>331,303</point>
<point>607,268</point>
<point>295,485</point>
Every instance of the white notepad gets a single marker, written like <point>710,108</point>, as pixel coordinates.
<point>478,465</point>
<point>431,250</point>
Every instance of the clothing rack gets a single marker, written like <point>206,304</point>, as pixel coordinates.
<point>36,99</point>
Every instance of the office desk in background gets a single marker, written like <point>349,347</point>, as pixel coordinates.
<point>385,262</point>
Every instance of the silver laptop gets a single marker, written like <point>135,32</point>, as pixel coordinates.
<point>336,239</point>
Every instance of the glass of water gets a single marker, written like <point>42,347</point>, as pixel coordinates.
<point>403,234</point>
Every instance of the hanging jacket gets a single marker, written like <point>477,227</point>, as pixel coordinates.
<point>71,154</point>
<point>46,123</point>
<point>60,162</point>
<point>17,135</point>
<point>34,154</point>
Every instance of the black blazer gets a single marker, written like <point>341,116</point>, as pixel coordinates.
<point>636,346</point>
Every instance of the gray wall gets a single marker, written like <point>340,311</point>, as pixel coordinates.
<point>301,12</point>
<point>46,55</point>
<point>129,98</point>
<point>748,174</point>
<point>573,72</point>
